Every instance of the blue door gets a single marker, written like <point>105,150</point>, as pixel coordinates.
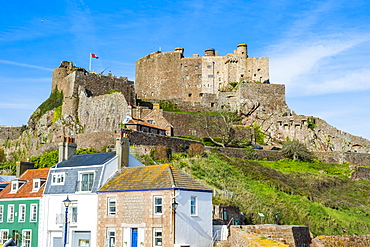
<point>133,237</point>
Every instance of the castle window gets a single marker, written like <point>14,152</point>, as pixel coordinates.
<point>209,67</point>
<point>208,85</point>
<point>201,94</point>
<point>212,104</point>
<point>241,75</point>
<point>185,67</point>
<point>190,94</point>
<point>218,72</point>
<point>199,76</point>
<point>210,76</point>
<point>196,67</point>
<point>219,79</point>
<point>151,121</point>
<point>186,77</point>
<point>255,75</point>
<point>258,69</point>
<point>186,86</point>
<point>199,85</point>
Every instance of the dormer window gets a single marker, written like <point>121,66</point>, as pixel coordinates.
<point>86,181</point>
<point>16,185</point>
<point>58,178</point>
<point>37,183</point>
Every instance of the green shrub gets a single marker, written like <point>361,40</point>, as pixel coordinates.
<point>196,149</point>
<point>55,100</point>
<point>114,91</point>
<point>169,106</point>
<point>296,151</point>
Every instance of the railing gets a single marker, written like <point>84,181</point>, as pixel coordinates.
<point>214,238</point>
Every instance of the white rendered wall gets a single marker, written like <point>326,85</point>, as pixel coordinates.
<point>86,217</point>
<point>195,231</point>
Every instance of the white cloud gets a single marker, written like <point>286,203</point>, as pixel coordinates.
<point>24,65</point>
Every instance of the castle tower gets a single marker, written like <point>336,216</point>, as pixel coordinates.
<point>60,73</point>
<point>180,50</point>
<point>209,52</point>
<point>242,50</point>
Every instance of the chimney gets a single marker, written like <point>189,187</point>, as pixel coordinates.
<point>22,167</point>
<point>67,148</point>
<point>122,150</point>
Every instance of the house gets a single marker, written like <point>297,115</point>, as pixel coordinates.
<point>154,206</point>
<point>20,206</point>
<point>75,179</point>
<point>142,126</point>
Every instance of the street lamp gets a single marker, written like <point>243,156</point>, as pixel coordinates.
<point>175,204</point>
<point>66,203</point>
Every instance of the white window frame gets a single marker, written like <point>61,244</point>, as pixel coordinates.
<point>4,238</point>
<point>36,184</point>
<point>112,209</point>
<point>1,213</point>
<point>80,175</point>
<point>26,242</point>
<point>193,206</point>
<point>158,206</point>
<point>16,184</point>
<point>73,214</point>
<point>155,237</point>
<point>33,212</point>
<point>58,178</point>
<point>10,216</point>
<point>111,235</point>
<point>22,213</point>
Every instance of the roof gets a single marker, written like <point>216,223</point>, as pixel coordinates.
<point>86,160</point>
<point>5,178</point>
<point>138,122</point>
<point>26,189</point>
<point>157,177</point>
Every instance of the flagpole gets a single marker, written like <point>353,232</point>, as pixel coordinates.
<point>90,63</point>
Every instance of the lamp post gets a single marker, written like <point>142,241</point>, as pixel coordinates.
<point>66,203</point>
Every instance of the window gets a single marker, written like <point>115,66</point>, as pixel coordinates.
<point>16,185</point>
<point>74,214</point>
<point>210,76</point>
<point>22,213</point>
<point>4,235</point>
<point>1,213</point>
<point>111,206</point>
<point>186,77</point>
<point>158,205</point>
<point>58,178</point>
<point>37,182</point>
<point>87,181</point>
<point>193,205</point>
<point>209,67</point>
<point>199,76</point>
<point>196,67</point>
<point>199,85</point>
<point>10,213</point>
<point>157,236</point>
<point>26,238</point>
<point>33,212</point>
<point>151,121</point>
<point>185,67</point>
<point>111,236</point>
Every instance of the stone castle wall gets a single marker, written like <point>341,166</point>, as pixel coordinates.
<point>345,241</point>
<point>70,79</point>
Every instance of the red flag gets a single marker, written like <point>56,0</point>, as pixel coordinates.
<point>94,56</point>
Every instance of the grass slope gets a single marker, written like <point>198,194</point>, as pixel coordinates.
<point>318,195</point>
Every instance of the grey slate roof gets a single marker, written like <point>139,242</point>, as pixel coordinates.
<point>86,160</point>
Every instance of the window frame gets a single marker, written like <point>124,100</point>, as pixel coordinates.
<point>22,213</point>
<point>33,212</point>
<point>2,240</point>
<point>58,175</point>
<point>158,206</point>
<point>10,212</point>
<point>109,207</point>
<point>26,242</point>
<point>193,206</point>
<point>80,176</point>
<point>109,237</point>
<point>1,213</point>
<point>157,230</point>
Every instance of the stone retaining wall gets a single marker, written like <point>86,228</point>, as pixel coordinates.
<point>345,241</point>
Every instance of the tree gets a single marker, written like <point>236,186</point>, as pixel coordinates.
<point>221,126</point>
<point>297,151</point>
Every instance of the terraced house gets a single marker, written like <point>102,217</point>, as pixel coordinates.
<point>20,207</point>
<point>78,177</point>
<point>154,206</point>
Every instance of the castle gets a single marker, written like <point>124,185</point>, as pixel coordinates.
<point>171,76</point>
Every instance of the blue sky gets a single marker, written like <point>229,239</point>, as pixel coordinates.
<point>318,49</point>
